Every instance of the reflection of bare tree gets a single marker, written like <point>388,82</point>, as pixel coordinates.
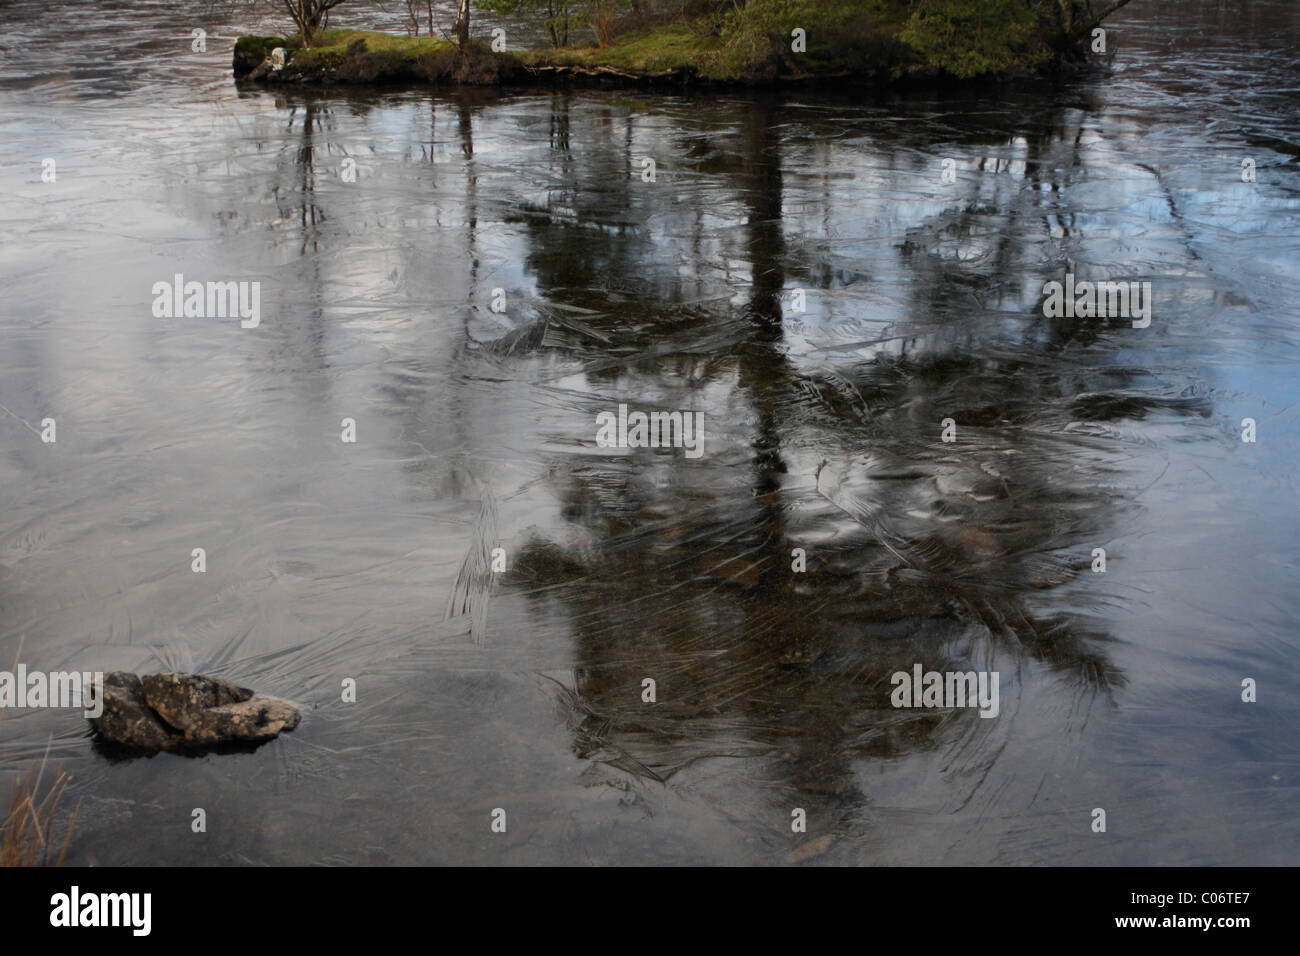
<point>920,552</point>
<point>303,206</point>
<point>297,203</point>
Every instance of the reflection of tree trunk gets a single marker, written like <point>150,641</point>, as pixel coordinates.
<point>764,368</point>
<point>812,731</point>
<point>309,215</point>
<point>433,130</point>
<point>466,129</point>
<point>307,339</point>
<point>560,125</point>
<point>766,242</point>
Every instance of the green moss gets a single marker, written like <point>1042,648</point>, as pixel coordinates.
<point>258,46</point>
<point>973,37</point>
<point>673,46</point>
<point>337,42</point>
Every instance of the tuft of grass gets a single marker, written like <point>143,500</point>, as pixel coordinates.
<point>27,835</point>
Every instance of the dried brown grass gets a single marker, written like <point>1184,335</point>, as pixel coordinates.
<point>27,836</point>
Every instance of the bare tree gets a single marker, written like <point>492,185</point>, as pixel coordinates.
<point>310,16</point>
<point>413,15</point>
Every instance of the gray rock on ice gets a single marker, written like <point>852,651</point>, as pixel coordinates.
<point>187,712</point>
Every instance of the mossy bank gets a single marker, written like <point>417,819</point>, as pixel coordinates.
<point>761,42</point>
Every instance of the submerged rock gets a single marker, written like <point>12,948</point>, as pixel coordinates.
<point>187,712</point>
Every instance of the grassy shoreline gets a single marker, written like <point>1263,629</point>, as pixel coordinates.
<point>872,40</point>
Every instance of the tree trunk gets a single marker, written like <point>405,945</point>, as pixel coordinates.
<point>310,16</point>
<point>462,24</point>
<point>1066,16</point>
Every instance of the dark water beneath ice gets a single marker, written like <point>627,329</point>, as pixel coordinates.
<point>475,430</point>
